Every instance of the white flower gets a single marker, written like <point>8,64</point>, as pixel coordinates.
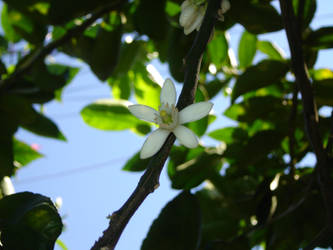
<point>169,120</point>
<point>225,6</point>
<point>192,14</point>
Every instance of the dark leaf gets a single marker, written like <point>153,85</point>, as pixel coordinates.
<point>136,164</point>
<point>30,217</point>
<point>105,53</point>
<point>263,74</point>
<point>190,168</point>
<point>151,23</point>
<point>256,18</point>
<point>305,12</point>
<point>321,38</point>
<point>323,90</point>
<point>178,226</point>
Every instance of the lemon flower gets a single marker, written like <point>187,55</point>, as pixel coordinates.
<point>191,16</point>
<point>170,120</point>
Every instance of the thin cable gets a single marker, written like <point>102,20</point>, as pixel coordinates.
<point>68,172</point>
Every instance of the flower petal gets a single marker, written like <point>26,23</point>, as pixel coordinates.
<point>194,112</point>
<point>195,21</point>
<point>168,92</point>
<point>143,112</point>
<point>153,143</point>
<point>186,136</point>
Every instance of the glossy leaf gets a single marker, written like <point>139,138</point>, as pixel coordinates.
<point>256,18</point>
<point>177,227</point>
<point>105,53</point>
<point>263,74</point>
<point>135,164</point>
<point>24,154</point>
<point>30,217</point>
<point>229,134</point>
<point>146,91</point>
<point>323,92</point>
<point>189,168</point>
<point>120,86</point>
<point>321,38</point>
<point>109,115</point>
<point>218,48</point>
<point>7,27</point>
<point>270,49</point>
<point>44,126</point>
<point>306,10</point>
<point>151,23</point>
<point>247,48</point>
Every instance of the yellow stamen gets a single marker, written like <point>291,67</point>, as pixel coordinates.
<point>166,118</point>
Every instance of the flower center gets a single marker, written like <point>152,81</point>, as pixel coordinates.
<point>168,117</point>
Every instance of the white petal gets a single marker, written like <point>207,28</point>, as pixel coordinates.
<point>153,143</point>
<point>143,112</point>
<point>185,4</point>
<point>188,15</point>
<point>168,92</point>
<point>195,21</point>
<point>186,136</point>
<point>194,112</point>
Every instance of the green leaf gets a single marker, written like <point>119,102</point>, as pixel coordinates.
<point>177,227</point>
<point>129,54</point>
<point>255,77</point>
<point>309,9</point>
<point>189,168</point>
<point>256,18</point>
<point>24,154</point>
<point>59,15</point>
<point>61,244</point>
<point>270,49</point>
<point>229,134</point>
<point>110,115</point>
<point>135,164</point>
<point>151,23</point>
<point>220,220</point>
<point>321,38</point>
<point>30,217</point>
<point>146,91</point>
<point>120,86</point>
<point>323,90</point>
<point>172,8</point>
<point>105,53</point>
<point>247,49</point>
<point>7,27</point>
<point>43,126</point>
<point>218,49</point>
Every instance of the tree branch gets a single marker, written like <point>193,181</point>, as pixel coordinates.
<point>309,106</point>
<point>41,53</point>
<point>150,179</point>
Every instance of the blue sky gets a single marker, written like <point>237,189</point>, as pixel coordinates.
<point>86,171</point>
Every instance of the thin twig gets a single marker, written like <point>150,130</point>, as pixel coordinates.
<point>309,106</point>
<point>291,132</point>
<point>42,52</point>
<point>150,180</point>
<point>329,146</point>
